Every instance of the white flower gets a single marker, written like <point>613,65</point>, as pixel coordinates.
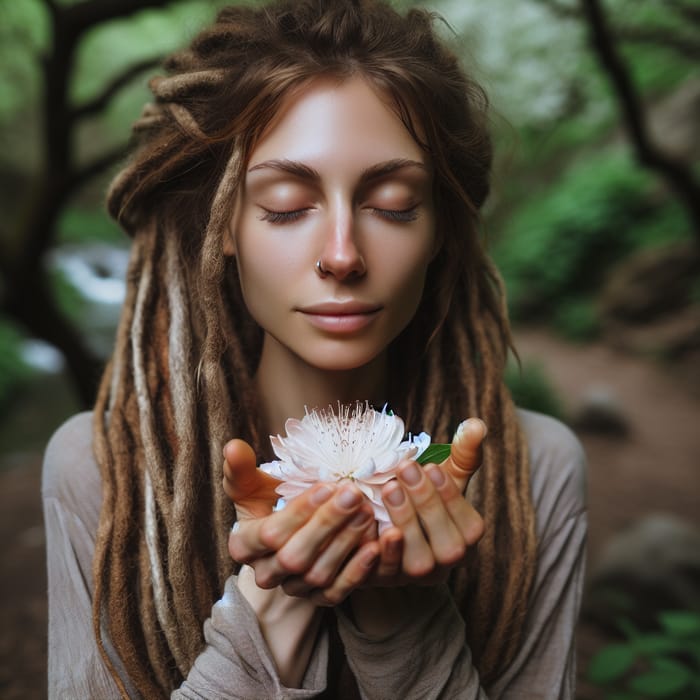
<point>355,443</point>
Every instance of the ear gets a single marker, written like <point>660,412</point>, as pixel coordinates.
<point>230,240</point>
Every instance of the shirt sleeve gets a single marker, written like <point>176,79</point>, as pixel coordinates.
<point>71,498</point>
<point>235,662</point>
<point>429,657</point>
<point>425,659</point>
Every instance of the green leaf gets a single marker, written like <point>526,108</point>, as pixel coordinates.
<point>652,644</point>
<point>662,681</point>
<point>611,663</point>
<point>680,623</point>
<point>436,453</point>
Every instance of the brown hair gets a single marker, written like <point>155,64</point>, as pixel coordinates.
<point>180,380</point>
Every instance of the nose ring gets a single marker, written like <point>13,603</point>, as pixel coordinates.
<point>319,269</point>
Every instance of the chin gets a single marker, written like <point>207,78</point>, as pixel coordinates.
<point>340,361</point>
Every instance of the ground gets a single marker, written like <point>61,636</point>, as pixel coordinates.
<point>654,469</point>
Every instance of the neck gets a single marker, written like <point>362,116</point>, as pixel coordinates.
<point>287,385</point>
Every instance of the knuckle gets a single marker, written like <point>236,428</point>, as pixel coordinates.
<point>333,596</point>
<point>420,566</point>
<point>291,562</point>
<point>237,551</point>
<point>271,534</point>
<point>476,530</point>
<point>265,579</point>
<point>451,555</point>
<point>318,579</point>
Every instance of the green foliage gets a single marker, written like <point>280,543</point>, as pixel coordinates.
<point>24,32</point>
<point>436,453</point>
<point>561,243</point>
<point>81,225</point>
<point>531,389</point>
<point>577,319</point>
<point>663,663</point>
<point>68,298</point>
<point>14,372</point>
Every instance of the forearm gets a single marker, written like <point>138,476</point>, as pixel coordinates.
<point>288,624</point>
<point>237,663</point>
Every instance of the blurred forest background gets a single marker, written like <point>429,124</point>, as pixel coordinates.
<point>594,221</point>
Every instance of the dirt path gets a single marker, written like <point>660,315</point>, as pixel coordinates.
<point>655,469</point>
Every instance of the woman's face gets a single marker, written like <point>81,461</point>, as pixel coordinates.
<point>337,179</point>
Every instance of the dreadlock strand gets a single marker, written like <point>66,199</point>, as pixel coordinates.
<point>184,503</point>
<point>158,654</point>
<point>217,399</point>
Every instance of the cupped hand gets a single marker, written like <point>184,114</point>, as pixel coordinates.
<point>322,545</point>
<point>433,523</point>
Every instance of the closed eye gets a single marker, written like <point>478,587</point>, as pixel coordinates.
<point>282,217</point>
<point>401,216</point>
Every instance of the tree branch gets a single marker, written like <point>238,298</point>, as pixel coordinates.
<point>99,165</point>
<point>678,176</point>
<point>98,103</point>
<point>687,47</point>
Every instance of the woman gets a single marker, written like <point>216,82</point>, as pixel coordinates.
<point>304,205</point>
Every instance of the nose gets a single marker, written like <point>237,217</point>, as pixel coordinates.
<point>340,255</point>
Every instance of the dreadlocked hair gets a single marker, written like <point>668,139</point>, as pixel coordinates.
<point>180,381</point>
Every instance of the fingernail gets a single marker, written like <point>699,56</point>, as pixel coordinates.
<point>347,498</point>
<point>436,475</point>
<point>236,526</point>
<point>410,474</point>
<point>395,497</point>
<point>470,423</point>
<point>321,495</point>
<point>360,520</point>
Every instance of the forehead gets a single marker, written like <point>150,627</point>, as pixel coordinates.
<point>347,121</point>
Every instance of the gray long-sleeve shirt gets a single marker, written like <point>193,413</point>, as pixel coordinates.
<point>428,658</point>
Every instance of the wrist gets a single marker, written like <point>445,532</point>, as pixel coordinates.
<point>270,604</point>
<point>289,626</point>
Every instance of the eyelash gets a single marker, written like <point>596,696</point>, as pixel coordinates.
<point>282,217</point>
<point>399,216</point>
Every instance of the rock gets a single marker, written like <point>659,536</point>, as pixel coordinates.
<point>652,566</point>
<point>600,412</point>
<point>650,284</point>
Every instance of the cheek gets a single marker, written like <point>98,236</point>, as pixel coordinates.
<point>407,281</point>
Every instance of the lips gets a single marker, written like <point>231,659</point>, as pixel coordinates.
<point>340,317</point>
<point>340,308</point>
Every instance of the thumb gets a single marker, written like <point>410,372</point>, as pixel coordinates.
<point>242,478</point>
<point>466,451</point>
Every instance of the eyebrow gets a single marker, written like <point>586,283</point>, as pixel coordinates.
<point>305,172</point>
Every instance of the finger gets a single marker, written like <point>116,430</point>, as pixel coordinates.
<point>275,570</point>
<point>417,557</point>
<point>446,541</point>
<point>259,536</point>
<point>466,519</point>
<point>466,451</point>
<point>243,482</point>
<point>390,553</point>
<point>303,548</point>
<point>351,577</point>
<point>324,570</point>
<point>268,571</point>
